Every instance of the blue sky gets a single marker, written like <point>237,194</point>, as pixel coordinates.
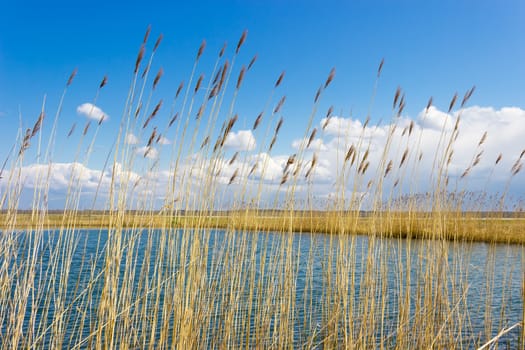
<point>431,48</point>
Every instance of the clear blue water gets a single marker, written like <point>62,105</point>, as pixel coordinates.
<point>468,268</point>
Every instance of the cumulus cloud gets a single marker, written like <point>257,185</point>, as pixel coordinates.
<point>93,112</point>
<point>164,141</point>
<point>315,145</point>
<point>131,139</point>
<point>415,150</point>
<point>242,140</point>
<point>147,152</point>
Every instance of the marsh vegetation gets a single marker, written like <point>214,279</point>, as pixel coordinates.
<point>233,258</point>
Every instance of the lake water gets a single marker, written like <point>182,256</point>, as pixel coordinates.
<point>304,286</point>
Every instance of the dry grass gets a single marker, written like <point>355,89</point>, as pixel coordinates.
<point>467,227</point>
<point>194,275</point>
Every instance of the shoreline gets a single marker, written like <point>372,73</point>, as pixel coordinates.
<point>449,226</point>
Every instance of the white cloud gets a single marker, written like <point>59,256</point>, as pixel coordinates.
<point>91,111</point>
<point>131,139</point>
<point>164,141</point>
<point>243,140</point>
<point>505,129</point>
<point>316,144</point>
<point>147,152</point>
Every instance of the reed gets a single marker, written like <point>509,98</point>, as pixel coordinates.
<point>219,265</point>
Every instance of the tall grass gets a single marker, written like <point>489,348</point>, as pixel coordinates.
<point>379,266</point>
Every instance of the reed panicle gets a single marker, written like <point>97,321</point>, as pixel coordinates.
<point>103,82</point>
<point>157,43</point>
<point>201,50</point>
<point>279,123</point>
<point>331,76</point>
<point>279,105</point>
<point>252,61</point>
<point>312,136</point>
<point>242,39</point>
<point>140,56</point>
<point>152,115</point>
<point>280,79</point>
<point>380,68</point>
<point>72,77</point>
<point>71,130</point>
<point>157,78</point>
<point>452,102</point>
<point>257,120</point>
<point>223,49</point>
<point>241,77</point>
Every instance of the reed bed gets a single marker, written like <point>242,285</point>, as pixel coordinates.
<point>396,269</point>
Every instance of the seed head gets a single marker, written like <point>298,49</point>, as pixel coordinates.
<point>429,103</point>
<point>221,53</point>
<point>232,178</point>
<point>201,50</point>
<point>205,141</point>
<point>152,137</point>
<point>157,78</point>
<point>153,114</point>
<point>241,77</point>
<point>403,158</point>
<point>483,138</point>
<point>331,76</point>
<point>280,79</point>
<point>284,179</point>
<point>279,105</point>
<point>317,94</point>
<point>86,128</point>
<point>71,130</point>
<point>137,111</point>
<point>350,153</point>
<point>103,82</point>
<point>278,126</point>
<point>452,102</point>
<point>396,97</point>
<point>388,168</point>
<point>410,127</point>
<point>252,62</point>
<point>329,112</point>
<point>140,56</point>
<point>146,35</point>
<point>38,124</point>
<point>173,119</point>
<point>272,143</point>
<point>157,43</point>
<point>233,158</point>
<point>467,96</point>
<point>517,169</point>
<point>223,74</point>
<point>200,112</point>
<point>241,41</point>
<point>312,136</point>
<point>179,89</point>
<point>257,120</point>
<point>71,77</point>
<point>252,170</point>
<point>198,85</point>
<point>499,158</point>
<point>380,68</point>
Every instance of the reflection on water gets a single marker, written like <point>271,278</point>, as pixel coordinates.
<point>312,278</point>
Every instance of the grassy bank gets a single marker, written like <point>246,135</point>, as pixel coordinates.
<point>463,227</point>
